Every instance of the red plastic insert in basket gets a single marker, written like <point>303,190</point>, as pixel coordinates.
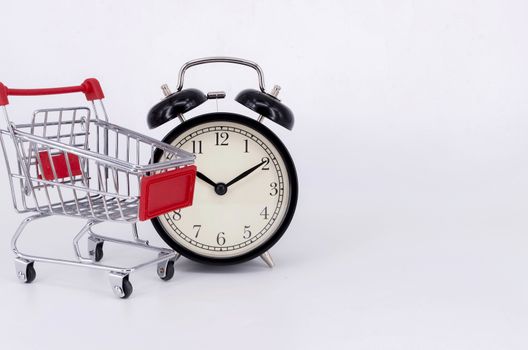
<point>60,165</point>
<point>165,192</point>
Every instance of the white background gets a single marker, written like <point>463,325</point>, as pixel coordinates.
<point>410,142</point>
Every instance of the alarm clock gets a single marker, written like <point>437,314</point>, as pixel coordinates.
<point>246,188</point>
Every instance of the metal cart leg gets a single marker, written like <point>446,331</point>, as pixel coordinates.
<point>119,276</point>
<point>84,230</point>
<point>136,235</point>
<point>24,268</point>
<point>21,228</point>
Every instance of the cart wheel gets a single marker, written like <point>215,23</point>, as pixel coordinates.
<point>98,252</point>
<point>31,274</point>
<point>25,270</point>
<point>169,271</point>
<point>121,286</point>
<point>127,288</point>
<point>95,248</point>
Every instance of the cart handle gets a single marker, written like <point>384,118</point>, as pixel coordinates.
<point>90,88</point>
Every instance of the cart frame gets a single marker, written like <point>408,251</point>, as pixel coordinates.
<point>54,166</point>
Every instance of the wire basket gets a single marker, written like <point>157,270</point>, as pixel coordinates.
<point>69,164</point>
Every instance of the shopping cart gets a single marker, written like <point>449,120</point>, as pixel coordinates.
<point>73,162</point>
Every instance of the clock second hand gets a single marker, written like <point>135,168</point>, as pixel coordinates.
<point>244,174</point>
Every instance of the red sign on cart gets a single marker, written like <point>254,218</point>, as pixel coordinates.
<point>165,192</point>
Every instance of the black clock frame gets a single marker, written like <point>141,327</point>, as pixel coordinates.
<point>292,176</point>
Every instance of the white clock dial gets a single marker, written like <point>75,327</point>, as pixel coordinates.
<point>250,199</point>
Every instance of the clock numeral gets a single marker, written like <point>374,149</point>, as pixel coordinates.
<point>221,139</point>
<point>246,146</point>
<point>199,148</point>
<point>197,228</point>
<point>266,161</point>
<point>176,215</point>
<point>247,232</point>
<point>220,239</point>
<point>274,189</point>
<point>264,213</point>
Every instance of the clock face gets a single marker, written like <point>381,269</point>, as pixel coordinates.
<point>245,192</point>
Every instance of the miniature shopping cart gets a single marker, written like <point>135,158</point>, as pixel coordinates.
<point>73,162</point>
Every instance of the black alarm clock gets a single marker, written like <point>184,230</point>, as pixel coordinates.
<point>246,188</point>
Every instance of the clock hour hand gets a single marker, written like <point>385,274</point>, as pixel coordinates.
<point>244,174</point>
<point>205,179</point>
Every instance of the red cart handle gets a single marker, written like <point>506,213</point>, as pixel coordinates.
<point>90,88</point>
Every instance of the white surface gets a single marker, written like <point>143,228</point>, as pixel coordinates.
<point>410,145</point>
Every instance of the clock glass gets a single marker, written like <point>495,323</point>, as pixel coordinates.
<point>245,192</point>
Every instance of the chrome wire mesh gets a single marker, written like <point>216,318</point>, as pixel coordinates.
<point>70,161</point>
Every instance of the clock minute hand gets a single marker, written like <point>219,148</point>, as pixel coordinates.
<point>244,174</point>
<point>205,178</point>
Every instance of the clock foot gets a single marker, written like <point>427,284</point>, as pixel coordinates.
<point>177,256</point>
<point>268,259</point>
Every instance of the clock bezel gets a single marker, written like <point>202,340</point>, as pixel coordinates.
<point>290,169</point>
